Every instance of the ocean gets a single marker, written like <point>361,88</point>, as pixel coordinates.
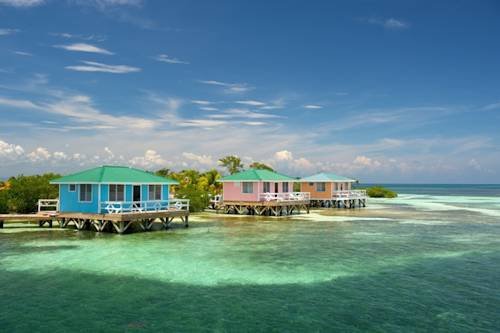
<point>427,261</point>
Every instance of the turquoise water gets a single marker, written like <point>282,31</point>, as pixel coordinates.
<point>421,262</point>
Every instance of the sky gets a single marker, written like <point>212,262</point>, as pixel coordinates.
<point>383,91</point>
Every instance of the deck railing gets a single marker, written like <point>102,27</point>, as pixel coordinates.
<point>47,206</point>
<point>349,194</point>
<point>117,207</point>
<point>285,196</point>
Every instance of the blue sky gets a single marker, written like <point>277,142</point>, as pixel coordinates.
<point>384,91</point>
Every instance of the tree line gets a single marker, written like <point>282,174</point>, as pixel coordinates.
<point>20,194</point>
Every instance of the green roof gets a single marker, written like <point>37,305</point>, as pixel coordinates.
<point>108,174</point>
<point>255,175</point>
<point>326,177</point>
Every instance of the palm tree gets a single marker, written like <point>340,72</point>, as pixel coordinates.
<point>261,166</point>
<point>232,163</point>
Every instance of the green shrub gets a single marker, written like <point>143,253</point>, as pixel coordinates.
<point>24,192</point>
<point>4,203</point>
<point>380,192</point>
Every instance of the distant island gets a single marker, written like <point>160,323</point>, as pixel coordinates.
<point>380,192</point>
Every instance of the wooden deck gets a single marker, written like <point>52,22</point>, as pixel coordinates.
<point>102,222</point>
<point>339,203</point>
<point>269,208</point>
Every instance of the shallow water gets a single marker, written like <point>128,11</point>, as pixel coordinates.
<point>421,262</point>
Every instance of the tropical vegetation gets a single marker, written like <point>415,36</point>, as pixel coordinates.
<point>20,194</point>
<point>380,192</point>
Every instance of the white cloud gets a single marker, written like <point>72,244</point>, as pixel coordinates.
<point>251,103</point>
<point>59,155</point>
<point>229,87</point>
<point>208,108</point>
<point>201,102</point>
<point>6,32</point>
<point>91,66</point>
<point>366,162</point>
<point>39,154</point>
<point>312,106</point>
<point>84,47</point>
<point>109,3</point>
<point>253,123</point>
<point>22,53</point>
<point>18,103</point>
<point>80,108</point>
<point>492,106</point>
<point>303,163</point>
<point>22,3</point>
<point>284,161</point>
<point>66,35</point>
<point>205,160</point>
<point>169,60</point>
<point>205,123</point>
<point>150,160</point>
<point>109,152</point>
<point>475,164</point>
<point>10,151</point>
<point>390,23</point>
<point>283,155</point>
<point>243,113</point>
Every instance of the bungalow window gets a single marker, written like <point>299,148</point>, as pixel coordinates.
<point>285,187</point>
<point>311,184</point>
<point>267,187</point>
<point>72,187</point>
<point>85,193</point>
<point>154,192</point>
<point>321,187</point>
<point>247,187</point>
<point>116,193</point>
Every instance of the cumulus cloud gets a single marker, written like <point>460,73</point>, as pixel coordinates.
<point>366,162</point>
<point>59,155</point>
<point>39,154</point>
<point>205,160</point>
<point>283,155</point>
<point>150,160</point>
<point>285,161</point>
<point>84,47</point>
<point>92,66</point>
<point>10,151</point>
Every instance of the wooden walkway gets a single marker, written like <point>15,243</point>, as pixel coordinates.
<point>339,203</point>
<point>264,208</point>
<point>102,222</point>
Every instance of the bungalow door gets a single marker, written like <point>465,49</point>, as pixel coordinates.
<point>136,193</point>
<point>276,189</point>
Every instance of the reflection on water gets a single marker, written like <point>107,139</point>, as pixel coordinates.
<point>408,263</point>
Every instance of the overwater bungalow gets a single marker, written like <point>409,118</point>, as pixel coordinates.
<point>331,190</point>
<point>261,192</point>
<point>110,198</point>
<point>113,189</point>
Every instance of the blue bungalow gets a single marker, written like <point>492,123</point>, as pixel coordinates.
<point>114,189</point>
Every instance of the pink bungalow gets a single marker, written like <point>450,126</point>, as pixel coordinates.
<point>256,185</point>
